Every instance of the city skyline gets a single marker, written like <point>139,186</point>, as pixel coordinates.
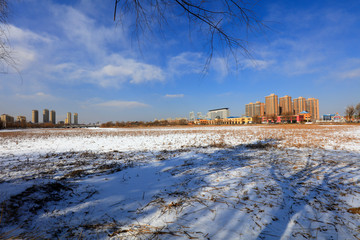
<point>72,53</point>
<point>47,117</point>
<point>283,106</point>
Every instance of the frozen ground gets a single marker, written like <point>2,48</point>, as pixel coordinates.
<point>239,182</point>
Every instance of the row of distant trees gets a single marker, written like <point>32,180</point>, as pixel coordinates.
<point>144,124</point>
<point>29,125</point>
<point>352,111</point>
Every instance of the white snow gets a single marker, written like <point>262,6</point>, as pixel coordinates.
<point>232,182</point>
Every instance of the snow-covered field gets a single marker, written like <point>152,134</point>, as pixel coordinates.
<point>235,182</point>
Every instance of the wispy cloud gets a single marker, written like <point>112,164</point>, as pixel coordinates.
<point>18,35</point>
<point>351,74</point>
<point>24,46</point>
<point>122,104</point>
<point>35,96</point>
<point>174,96</point>
<point>127,70</point>
<point>186,63</point>
<point>257,64</point>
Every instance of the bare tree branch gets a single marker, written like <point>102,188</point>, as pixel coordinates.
<point>349,112</point>
<point>225,20</point>
<point>6,59</point>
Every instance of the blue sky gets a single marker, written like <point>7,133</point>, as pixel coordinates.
<point>73,57</point>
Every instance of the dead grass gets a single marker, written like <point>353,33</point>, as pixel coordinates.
<point>75,174</point>
<point>291,135</point>
<point>355,210</point>
<point>37,196</point>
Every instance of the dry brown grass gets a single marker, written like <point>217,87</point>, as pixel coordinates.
<point>290,135</point>
<point>354,210</point>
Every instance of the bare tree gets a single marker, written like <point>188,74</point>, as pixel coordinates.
<point>357,109</point>
<point>5,51</point>
<point>349,112</point>
<point>223,23</point>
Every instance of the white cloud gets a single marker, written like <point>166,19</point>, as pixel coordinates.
<point>123,69</point>
<point>257,64</point>
<point>174,95</point>
<point>83,31</point>
<point>23,46</point>
<point>35,96</point>
<point>220,66</point>
<point>351,74</point>
<point>18,35</point>
<point>23,57</point>
<point>185,63</point>
<point>122,104</point>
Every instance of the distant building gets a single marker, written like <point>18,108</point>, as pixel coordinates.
<point>250,109</point>
<point>5,119</point>
<point>68,118</point>
<point>312,106</point>
<point>285,106</point>
<point>259,109</point>
<point>272,105</point>
<point>191,116</point>
<point>35,116</point>
<point>53,117</point>
<point>45,115</point>
<point>306,116</point>
<point>76,119</point>
<point>333,117</point>
<point>21,119</point>
<point>299,105</point>
<point>219,113</point>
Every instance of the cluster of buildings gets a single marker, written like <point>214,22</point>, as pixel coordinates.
<point>284,109</point>
<point>47,117</point>
<point>274,109</point>
<point>218,116</point>
<point>50,117</point>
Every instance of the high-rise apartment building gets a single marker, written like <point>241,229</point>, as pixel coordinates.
<point>312,106</point>
<point>45,116</point>
<point>272,105</point>
<point>255,109</point>
<point>259,109</point>
<point>220,113</point>
<point>35,116</point>
<point>76,119</point>
<point>68,118</point>
<point>250,109</point>
<point>191,116</point>
<point>247,109</point>
<point>53,117</point>
<point>285,106</point>
<point>299,105</point>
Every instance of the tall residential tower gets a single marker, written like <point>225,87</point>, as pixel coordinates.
<point>285,106</point>
<point>312,106</point>
<point>272,105</point>
<point>299,105</point>
<point>68,118</point>
<point>35,116</point>
<point>76,119</point>
<point>53,117</point>
<point>46,116</point>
